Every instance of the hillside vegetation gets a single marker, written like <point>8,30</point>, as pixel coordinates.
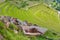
<point>41,15</point>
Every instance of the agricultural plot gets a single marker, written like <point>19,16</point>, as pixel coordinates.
<point>41,15</point>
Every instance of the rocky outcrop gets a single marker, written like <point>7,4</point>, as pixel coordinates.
<point>1,37</point>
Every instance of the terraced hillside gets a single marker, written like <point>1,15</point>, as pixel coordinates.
<point>40,14</point>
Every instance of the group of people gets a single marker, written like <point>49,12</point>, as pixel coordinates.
<point>7,20</point>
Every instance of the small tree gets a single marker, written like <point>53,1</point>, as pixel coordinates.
<point>12,26</point>
<point>19,3</point>
<point>34,0</point>
<point>24,4</point>
<point>55,4</point>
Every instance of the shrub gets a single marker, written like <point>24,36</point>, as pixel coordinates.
<point>1,25</point>
<point>12,26</point>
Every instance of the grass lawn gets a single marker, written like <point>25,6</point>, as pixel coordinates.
<point>40,14</point>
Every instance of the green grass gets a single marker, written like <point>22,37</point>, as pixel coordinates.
<point>40,14</point>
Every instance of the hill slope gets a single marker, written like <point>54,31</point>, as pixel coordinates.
<point>40,14</point>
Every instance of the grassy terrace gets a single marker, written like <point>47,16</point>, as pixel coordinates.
<point>40,14</point>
